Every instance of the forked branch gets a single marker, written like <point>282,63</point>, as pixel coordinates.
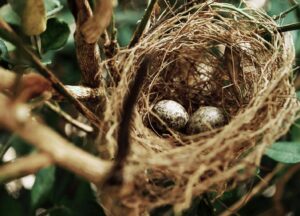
<point>63,152</point>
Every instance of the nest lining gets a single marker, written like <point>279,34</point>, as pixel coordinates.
<point>215,55</point>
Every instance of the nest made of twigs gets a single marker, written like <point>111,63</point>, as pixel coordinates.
<point>208,55</point>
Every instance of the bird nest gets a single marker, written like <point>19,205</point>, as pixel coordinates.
<point>207,55</point>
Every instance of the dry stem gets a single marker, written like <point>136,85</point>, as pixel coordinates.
<point>24,166</point>
<point>62,151</point>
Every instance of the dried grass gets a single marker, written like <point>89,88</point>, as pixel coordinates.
<point>251,81</point>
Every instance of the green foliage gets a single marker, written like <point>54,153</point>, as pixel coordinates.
<point>3,51</point>
<point>43,186</point>
<point>52,5</point>
<point>56,35</point>
<point>17,5</point>
<point>9,206</point>
<point>9,15</point>
<point>285,152</point>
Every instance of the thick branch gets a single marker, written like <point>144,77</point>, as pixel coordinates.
<point>62,151</point>
<point>83,93</point>
<point>24,166</point>
<point>88,55</point>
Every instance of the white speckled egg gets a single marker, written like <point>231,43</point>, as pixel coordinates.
<point>205,119</point>
<point>172,113</point>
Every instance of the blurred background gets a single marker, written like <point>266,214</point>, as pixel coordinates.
<point>55,191</point>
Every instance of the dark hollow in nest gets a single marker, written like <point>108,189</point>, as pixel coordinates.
<point>209,55</point>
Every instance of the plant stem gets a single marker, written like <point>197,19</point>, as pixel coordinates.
<point>24,166</point>
<point>283,14</point>
<point>62,152</point>
<point>141,27</point>
<point>68,118</point>
<point>290,27</point>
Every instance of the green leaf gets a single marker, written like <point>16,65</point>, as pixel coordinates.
<point>285,152</point>
<point>298,95</point>
<point>43,186</point>
<point>56,35</point>
<point>17,5</point>
<point>295,131</point>
<point>10,206</point>
<point>3,50</point>
<point>9,15</point>
<point>52,6</point>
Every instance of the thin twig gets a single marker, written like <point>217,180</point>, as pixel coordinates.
<point>82,93</point>
<point>7,33</point>
<point>294,2</point>
<point>290,27</point>
<point>111,46</point>
<point>285,13</point>
<point>142,25</point>
<point>24,166</point>
<point>61,150</point>
<point>68,118</point>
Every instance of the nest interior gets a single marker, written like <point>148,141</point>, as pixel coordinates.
<point>211,54</point>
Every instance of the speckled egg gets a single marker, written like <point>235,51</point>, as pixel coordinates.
<point>172,113</point>
<point>205,119</point>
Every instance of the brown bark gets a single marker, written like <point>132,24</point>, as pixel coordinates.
<point>88,55</point>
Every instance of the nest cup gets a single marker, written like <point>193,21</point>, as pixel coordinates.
<point>208,55</point>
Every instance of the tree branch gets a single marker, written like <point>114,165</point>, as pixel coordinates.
<point>82,93</point>
<point>285,13</point>
<point>88,54</point>
<point>24,166</point>
<point>68,118</point>
<point>289,27</point>
<point>62,151</point>
<point>8,34</point>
